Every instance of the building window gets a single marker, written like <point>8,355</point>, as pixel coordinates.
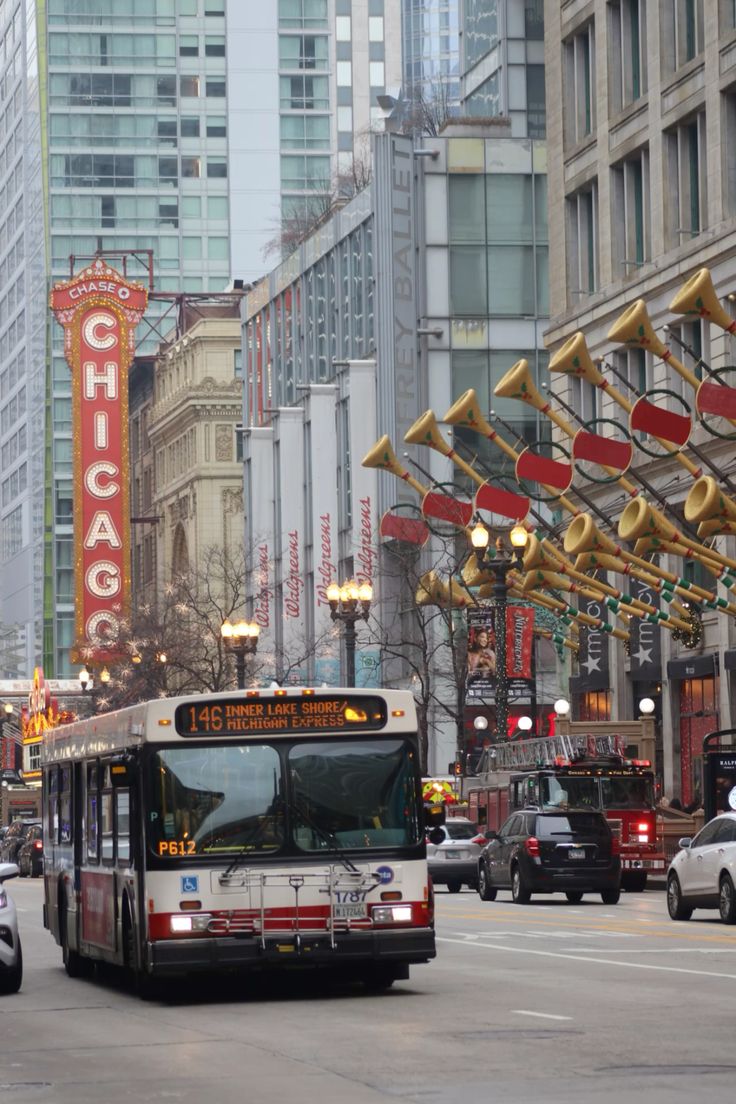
<point>304,173</point>
<point>305,93</point>
<point>579,60</point>
<point>300,132</point>
<point>189,127</point>
<point>480,29</point>
<point>630,230</point>
<point>302,13</point>
<point>214,46</point>
<point>728,14</point>
<point>217,126</point>
<point>189,86</point>
<point>534,20</point>
<point>303,52</point>
<point>217,167</point>
<point>344,73</point>
<point>191,167</point>
<point>631,363</point>
<point>685,180</point>
<point>189,46</point>
<point>686,36</point>
<point>536,102</point>
<point>627,52</point>
<point>582,238</point>
<point>595,705</point>
<point>215,89</point>
<point>728,138</point>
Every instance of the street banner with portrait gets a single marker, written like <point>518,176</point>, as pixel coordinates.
<point>482,671</point>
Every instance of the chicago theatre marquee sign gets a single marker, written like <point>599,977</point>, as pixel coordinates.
<point>99,311</point>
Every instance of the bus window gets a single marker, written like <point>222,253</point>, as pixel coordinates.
<point>65,805</point>
<point>93,853</point>
<point>52,806</point>
<point>122,825</point>
<point>106,824</point>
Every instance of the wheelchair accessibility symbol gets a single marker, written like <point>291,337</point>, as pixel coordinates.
<point>190,883</point>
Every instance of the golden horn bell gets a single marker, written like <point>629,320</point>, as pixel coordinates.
<point>716,527</point>
<point>425,431</point>
<point>706,502</point>
<point>698,298</point>
<point>383,456</point>
<point>574,359</point>
<point>583,535</point>
<point>639,519</point>
<point>466,412</point>
<point>536,558</point>
<point>472,574</point>
<point>633,327</point>
<point>432,590</point>
<point>517,383</point>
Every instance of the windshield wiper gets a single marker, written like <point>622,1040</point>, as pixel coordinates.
<point>257,831</point>
<point>327,837</point>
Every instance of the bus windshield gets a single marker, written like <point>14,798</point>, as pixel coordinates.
<point>228,800</point>
<point>355,795</point>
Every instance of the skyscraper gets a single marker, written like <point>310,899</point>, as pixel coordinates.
<point>113,137</point>
<point>308,74</point>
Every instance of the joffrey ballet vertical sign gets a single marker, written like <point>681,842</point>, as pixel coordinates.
<point>99,311</point>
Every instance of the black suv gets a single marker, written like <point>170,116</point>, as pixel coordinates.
<point>551,851</point>
<point>14,839</point>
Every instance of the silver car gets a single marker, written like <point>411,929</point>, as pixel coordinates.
<point>454,861</point>
<point>11,955</point>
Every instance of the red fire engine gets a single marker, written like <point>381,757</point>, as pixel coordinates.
<point>574,771</point>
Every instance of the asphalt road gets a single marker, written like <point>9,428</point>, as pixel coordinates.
<point>543,1002</point>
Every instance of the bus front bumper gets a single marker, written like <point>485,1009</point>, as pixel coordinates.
<point>169,957</point>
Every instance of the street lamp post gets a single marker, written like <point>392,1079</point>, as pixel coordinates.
<point>350,602</point>
<point>500,564</point>
<point>241,640</point>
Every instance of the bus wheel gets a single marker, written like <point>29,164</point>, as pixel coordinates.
<point>76,965</point>
<point>143,984</point>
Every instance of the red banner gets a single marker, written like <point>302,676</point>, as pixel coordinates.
<point>519,641</point>
<point>99,311</point>
<point>659,422</point>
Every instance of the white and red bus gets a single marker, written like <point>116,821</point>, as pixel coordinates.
<point>244,830</point>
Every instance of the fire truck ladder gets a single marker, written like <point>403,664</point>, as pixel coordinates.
<point>527,754</point>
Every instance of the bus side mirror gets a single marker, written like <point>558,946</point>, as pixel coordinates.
<point>122,771</point>
<point>434,816</point>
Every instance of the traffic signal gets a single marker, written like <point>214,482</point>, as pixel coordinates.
<point>457,767</point>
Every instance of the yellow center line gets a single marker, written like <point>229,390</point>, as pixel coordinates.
<point>680,932</point>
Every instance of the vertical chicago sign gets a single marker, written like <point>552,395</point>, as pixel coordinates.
<point>99,311</point>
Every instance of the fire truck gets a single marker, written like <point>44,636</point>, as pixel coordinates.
<point>574,771</point>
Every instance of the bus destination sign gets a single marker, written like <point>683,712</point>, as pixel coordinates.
<point>247,716</point>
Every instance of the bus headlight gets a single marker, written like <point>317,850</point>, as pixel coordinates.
<point>190,923</point>
<point>391,914</point>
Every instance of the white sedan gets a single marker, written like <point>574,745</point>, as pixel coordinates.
<point>11,955</point>
<point>703,873</point>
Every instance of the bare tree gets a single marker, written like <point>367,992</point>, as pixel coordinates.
<point>428,108</point>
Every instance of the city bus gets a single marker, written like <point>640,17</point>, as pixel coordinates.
<point>238,831</point>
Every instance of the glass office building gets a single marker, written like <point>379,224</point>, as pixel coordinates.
<point>113,137</point>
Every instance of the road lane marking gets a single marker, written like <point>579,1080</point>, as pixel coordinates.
<point>540,1015</point>
<point>699,929</point>
<point>586,958</point>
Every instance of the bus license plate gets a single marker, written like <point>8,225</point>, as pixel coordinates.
<point>350,912</point>
<point>576,853</point>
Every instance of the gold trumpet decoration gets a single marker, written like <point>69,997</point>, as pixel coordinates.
<point>573,359</point>
<point>383,457</point>
<point>433,590</point>
<point>584,539</point>
<point>640,520</point>
<point>568,614</point>
<point>697,298</point>
<point>537,559</point>
<point>708,505</point>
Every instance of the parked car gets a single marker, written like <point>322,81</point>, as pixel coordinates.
<point>454,861</point>
<point>11,955</point>
<point>703,872</point>
<point>14,837</point>
<point>30,853</point>
<point>573,852</point>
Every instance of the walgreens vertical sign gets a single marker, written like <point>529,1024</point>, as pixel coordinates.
<point>99,311</point>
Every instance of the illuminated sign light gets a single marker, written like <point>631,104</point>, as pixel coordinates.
<point>242,716</point>
<point>99,311</point>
